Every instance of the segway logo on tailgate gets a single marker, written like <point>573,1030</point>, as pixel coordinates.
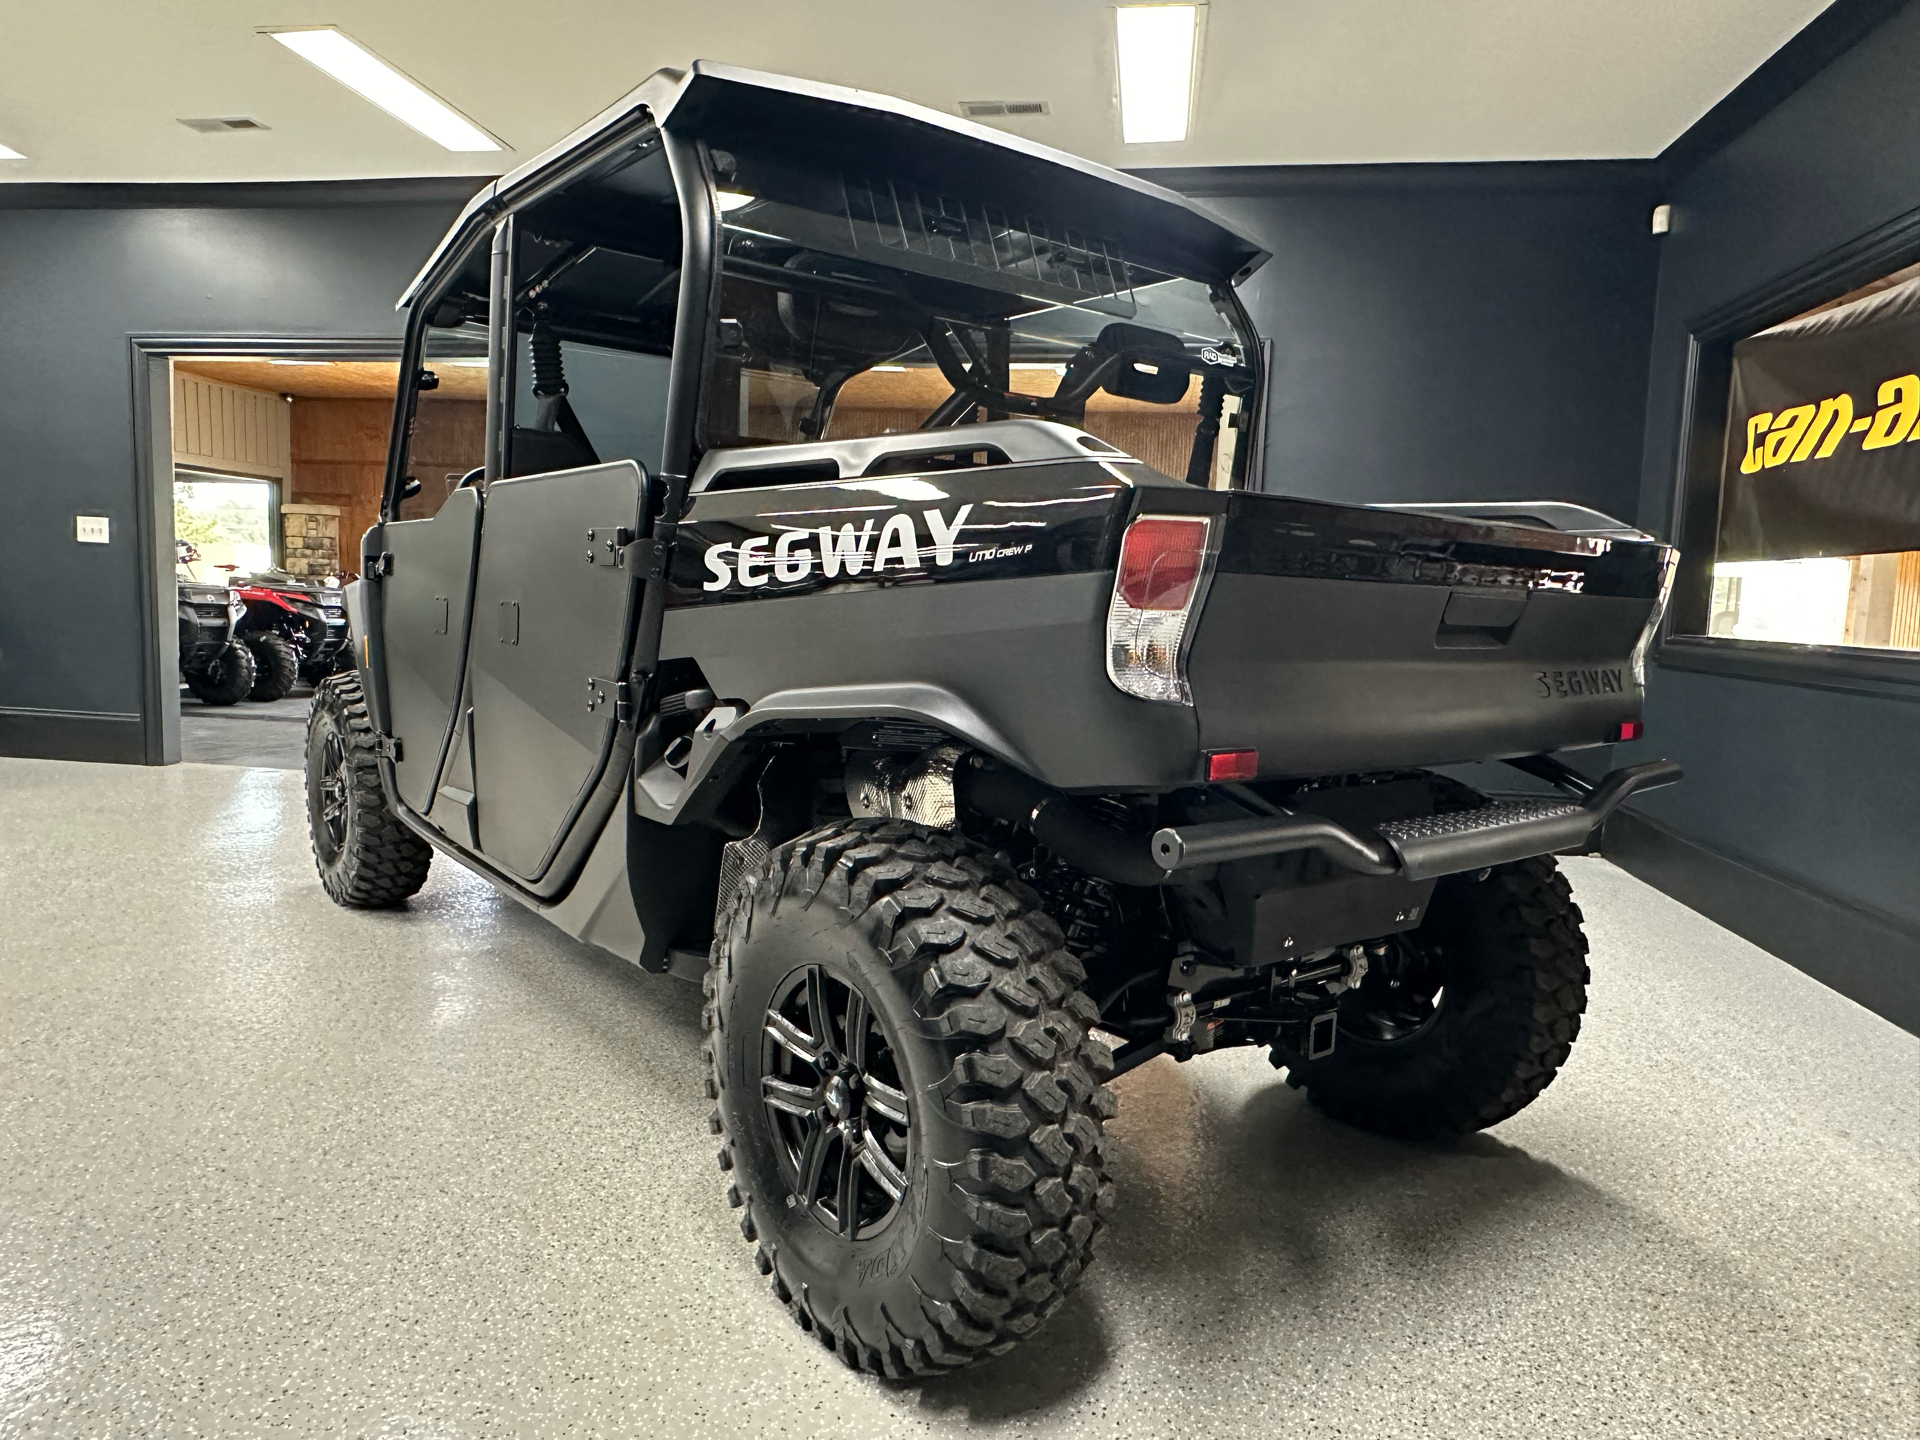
<point>869,548</point>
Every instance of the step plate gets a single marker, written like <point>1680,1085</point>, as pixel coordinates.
<point>1431,845</point>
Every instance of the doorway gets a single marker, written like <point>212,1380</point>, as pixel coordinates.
<point>262,465</point>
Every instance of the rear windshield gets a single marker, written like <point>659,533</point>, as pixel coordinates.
<point>852,305</point>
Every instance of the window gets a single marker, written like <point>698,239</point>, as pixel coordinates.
<point>853,305</point>
<point>1801,506</point>
<point>596,290</point>
<point>448,437</point>
<point>227,521</point>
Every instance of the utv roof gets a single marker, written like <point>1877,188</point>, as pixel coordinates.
<point>1164,229</point>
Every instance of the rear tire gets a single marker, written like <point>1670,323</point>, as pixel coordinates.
<point>276,665</point>
<point>924,1194</point>
<point>1508,963</point>
<point>226,679</point>
<point>365,856</point>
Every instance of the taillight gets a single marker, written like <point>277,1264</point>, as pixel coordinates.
<point>1669,562</point>
<point>1162,561</point>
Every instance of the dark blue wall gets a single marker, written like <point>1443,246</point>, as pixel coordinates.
<point>75,285</point>
<point>1455,332</point>
<point>1819,786</point>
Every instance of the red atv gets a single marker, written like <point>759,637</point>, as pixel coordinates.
<point>296,629</point>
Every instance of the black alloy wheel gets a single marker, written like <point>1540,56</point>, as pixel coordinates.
<point>907,1094</point>
<point>831,1084</point>
<point>330,829</point>
<point>365,855</point>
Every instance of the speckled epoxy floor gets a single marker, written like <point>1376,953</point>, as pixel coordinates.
<point>267,1166</point>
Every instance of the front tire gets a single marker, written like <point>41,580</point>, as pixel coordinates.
<point>276,665</point>
<point>909,1101</point>
<point>226,679</point>
<point>365,856</point>
<point>1466,1020</point>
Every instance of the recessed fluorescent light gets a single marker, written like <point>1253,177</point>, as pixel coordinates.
<point>1156,71</point>
<point>296,362</point>
<point>8,154</point>
<point>364,72</point>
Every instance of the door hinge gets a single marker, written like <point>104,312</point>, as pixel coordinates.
<point>607,544</point>
<point>649,557</point>
<point>617,693</point>
<point>389,748</point>
<point>382,565</point>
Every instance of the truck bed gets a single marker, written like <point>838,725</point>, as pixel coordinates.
<point>1332,638</point>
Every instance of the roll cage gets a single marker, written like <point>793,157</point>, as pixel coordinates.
<point>685,117</point>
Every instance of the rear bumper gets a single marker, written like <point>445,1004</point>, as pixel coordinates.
<point>1424,847</point>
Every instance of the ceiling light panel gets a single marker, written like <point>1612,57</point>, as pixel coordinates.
<point>1158,45</point>
<point>10,154</point>
<point>365,73</point>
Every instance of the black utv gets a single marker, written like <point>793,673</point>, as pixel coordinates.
<point>863,598</point>
<point>217,669</point>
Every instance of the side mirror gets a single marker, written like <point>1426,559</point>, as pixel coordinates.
<point>409,488</point>
<point>426,380</point>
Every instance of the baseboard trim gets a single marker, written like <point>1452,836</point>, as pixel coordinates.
<point>1873,960</point>
<point>102,735</point>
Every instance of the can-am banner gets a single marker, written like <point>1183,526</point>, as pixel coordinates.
<point>1823,448</point>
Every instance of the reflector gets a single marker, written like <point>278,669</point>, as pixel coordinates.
<point>1233,764</point>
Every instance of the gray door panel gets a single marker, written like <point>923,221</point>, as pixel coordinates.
<point>546,620</point>
<point>422,604</point>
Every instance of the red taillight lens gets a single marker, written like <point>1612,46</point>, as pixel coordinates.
<point>1233,764</point>
<point>1630,730</point>
<point>1159,562</point>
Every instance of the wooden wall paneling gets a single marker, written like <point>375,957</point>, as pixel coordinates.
<point>339,458</point>
<point>229,427</point>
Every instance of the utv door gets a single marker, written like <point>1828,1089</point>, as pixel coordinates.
<point>554,605</point>
<point>422,606</point>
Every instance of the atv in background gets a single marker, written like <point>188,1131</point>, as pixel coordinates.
<point>217,668</point>
<point>297,630</point>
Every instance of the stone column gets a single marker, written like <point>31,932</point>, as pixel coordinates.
<point>312,535</point>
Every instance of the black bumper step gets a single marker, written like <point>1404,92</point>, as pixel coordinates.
<point>1426,846</point>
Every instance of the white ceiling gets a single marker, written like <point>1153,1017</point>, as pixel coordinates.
<point>93,88</point>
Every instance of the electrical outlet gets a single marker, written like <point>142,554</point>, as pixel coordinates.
<point>90,529</point>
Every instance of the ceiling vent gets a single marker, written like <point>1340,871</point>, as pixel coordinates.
<point>1003,109</point>
<point>220,125</point>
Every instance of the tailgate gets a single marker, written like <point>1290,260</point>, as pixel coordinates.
<point>1337,639</point>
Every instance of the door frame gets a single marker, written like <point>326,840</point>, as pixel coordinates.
<point>149,367</point>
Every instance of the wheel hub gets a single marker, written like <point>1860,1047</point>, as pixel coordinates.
<point>835,1099</point>
<point>839,1097</point>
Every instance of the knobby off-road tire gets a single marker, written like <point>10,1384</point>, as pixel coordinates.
<point>314,671</point>
<point>982,1039</point>
<point>226,679</point>
<point>276,665</point>
<point>365,856</point>
<point>1510,962</point>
